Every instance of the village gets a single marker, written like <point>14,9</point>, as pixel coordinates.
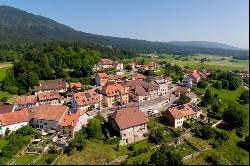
<point>125,99</point>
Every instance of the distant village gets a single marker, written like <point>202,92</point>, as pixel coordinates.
<point>59,108</point>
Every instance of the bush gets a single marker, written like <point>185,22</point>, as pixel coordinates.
<point>131,147</point>
<point>222,135</point>
<point>49,160</point>
<point>202,84</point>
<point>239,132</point>
<point>217,85</point>
<point>244,97</point>
<point>156,136</point>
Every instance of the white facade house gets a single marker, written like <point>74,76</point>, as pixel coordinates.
<point>13,121</point>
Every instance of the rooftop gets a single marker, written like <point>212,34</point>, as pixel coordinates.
<point>129,117</point>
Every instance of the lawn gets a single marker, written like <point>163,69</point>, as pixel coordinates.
<point>228,151</point>
<point>25,159</point>
<point>3,68</point>
<point>99,153</point>
<point>94,153</point>
<point>42,160</point>
<point>215,62</point>
<point>10,97</point>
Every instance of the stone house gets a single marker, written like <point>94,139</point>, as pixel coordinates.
<point>131,123</point>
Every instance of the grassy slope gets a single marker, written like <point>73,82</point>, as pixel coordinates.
<point>25,159</point>
<point>229,150</point>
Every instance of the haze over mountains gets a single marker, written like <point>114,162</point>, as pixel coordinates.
<point>20,28</point>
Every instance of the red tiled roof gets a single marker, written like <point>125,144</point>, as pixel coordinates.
<point>112,88</point>
<point>129,117</point>
<point>49,112</point>
<point>14,117</point>
<point>103,75</point>
<point>6,107</point>
<point>139,76</point>
<point>70,119</point>
<point>195,74</point>
<point>75,84</point>
<point>51,84</point>
<point>53,95</point>
<point>180,111</point>
<point>89,97</point>
<point>105,62</point>
<point>26,100</point>
<point>182,90</point>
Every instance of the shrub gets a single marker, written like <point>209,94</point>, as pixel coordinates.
<point>239,132</point>
<point>49,160</point>
<point>131,147</point>
<point>217,85</point>
<point>156,136</point>
<point>202,84</point>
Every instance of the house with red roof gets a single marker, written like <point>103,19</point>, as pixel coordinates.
<point>84,100</point>
<point>193,77</point>
<point>52,97</point>
<point>131,123</point>
<point>178,114</point>
<point>114,94</point>
<point>25,102</point>
<point>12,121</point>
<point>101,78</point>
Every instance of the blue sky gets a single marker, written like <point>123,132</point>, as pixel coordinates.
<point>225,21</point>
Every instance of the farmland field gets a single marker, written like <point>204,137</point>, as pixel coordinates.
<point>194,61</point>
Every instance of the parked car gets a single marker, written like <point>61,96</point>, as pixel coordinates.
<point>152,112</point>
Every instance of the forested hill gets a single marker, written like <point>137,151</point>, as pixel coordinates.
<point>19,29</point>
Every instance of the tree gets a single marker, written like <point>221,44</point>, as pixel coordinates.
<point>202,84</point>
<point>156,136</point>
<point>94,129</point>
<point>244,97</point>
<point>128,67</point>
<point>235,117</point>
<point>225,84</point>
<point>207,98</point>
<point>166,156</point>
<point>217,85</point>
<point>183,100</point>
<point>205,132</point>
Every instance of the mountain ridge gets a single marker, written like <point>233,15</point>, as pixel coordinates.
<point>21,28</point>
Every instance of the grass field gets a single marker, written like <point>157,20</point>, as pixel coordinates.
<point>215,62</point>
<point>229,153</point>
<point>3,68</point>
<point>42,160</point>
<point>25,159</point>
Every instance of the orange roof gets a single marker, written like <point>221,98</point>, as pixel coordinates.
<point>70,119</point>
<point>75,84</point>
<point>129,117</point>
<point>103,75</point>
<point>88,97</point>
<point>26,99</point>
<point>195,74</point>
<point>53,95</point>
<point>139,76</point>
<point>112,88</point>
<point>14,117</point>
<point>169,79</point>
<point>49,112</point>
<point>180,111</point>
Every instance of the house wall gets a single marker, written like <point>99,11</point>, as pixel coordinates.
<point>46,125</point>
<point>133,134</point>
<point>28,105</point>
<point>100,81</point>
<point>52,102</point>
<point>12,127</point>
<point>129,135</point>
